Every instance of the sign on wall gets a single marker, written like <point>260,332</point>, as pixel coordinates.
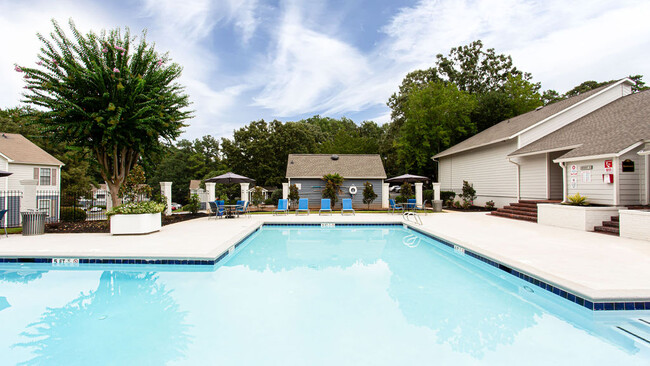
<point>574,169</point>
<point>628,166</point>
<point>574,182</point>
<point>608,166</point>
<point>586,177</point>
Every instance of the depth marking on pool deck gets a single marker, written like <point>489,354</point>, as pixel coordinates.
<point>568,295</point>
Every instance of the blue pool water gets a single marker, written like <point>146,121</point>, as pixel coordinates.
<point>305,296</point>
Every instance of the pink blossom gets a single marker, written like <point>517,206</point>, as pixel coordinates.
<point>26,76</point>
<point>56,63</point>
<point>122,53</point>
<point>39,63</point>
<point>105,50</point>
<point>160,62</point>
<point>18,69</point>
<point>116,70</point>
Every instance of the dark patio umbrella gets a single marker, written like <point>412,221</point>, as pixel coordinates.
<point>230,178</point>
<point>407,178</point>
<point>5,174</point>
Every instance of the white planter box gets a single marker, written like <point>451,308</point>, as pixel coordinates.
<point>135,224</point>
<point>574,217</point>
<point>635,224</point>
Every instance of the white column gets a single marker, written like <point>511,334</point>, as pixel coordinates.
<point>385,195</point>
<point>28,201</point>
<point>418,194</point>
<point>166,190</point>
<point>244,191</point>
<point>285,191</point>
<point>212,191</point>
<point>436,191</point>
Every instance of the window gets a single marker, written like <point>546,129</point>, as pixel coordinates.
<point>44,205</point>
<point>45,177</point>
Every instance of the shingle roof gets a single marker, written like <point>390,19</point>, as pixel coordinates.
<point>347,165</point>
<point>195,184</point>
<point>607,130</point>
<point>506,129</point>
<point>20,150</point>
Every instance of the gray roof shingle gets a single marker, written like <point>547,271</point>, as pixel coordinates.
<point>22,151</point>
<point>506,129</point>
<point>348,165</point>
<point>607,130</point>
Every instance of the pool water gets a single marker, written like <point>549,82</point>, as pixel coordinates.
<point>290,295</point>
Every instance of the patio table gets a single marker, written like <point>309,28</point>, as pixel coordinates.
<point>230,210</point>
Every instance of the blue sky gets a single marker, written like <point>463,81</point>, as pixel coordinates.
<point>246,60</point>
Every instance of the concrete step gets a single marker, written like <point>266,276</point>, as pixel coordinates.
<point>524,204</point>
<point>611,224</point>
<point>518,212</point>
<point>514,216</point>
<point>607,230</point>
<point>521,208</point>
<point>615,218</point>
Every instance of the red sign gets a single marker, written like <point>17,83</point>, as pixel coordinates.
<point>608,166</point>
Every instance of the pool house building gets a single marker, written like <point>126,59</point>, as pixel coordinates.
<point>596,144</point>
<point>307,170</point>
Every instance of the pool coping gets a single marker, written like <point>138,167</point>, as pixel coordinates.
<point>556,285</point>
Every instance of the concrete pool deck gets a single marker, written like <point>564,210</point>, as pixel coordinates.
<point>596,266</point>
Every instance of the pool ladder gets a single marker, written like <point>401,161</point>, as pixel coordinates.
<point>407,215</point>
<point>638,330</point>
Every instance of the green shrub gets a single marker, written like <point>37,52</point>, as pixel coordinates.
<point>275,196</point>
<point>400,199</point>
<point>134,208</point>
<point>489,205</point>
<point>447,195</point>
<point>469,194</point>
<point>195,204</point>
<point>369,194</point>
<point>578,200</point>
<point>332,188</point>
<point>294,195</point>
<point>427,195</point>
<point>72,214</point>
<point>407,190</point>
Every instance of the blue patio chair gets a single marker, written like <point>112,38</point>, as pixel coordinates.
<point>242,209</point>
<point>303,205</point>
<point>394,206</point>
<point>347,206</point>
<point>325,206</point>
<point>283,206</point>
<point>410,204</point>
<point>216,210</point>
<point>2,217</point>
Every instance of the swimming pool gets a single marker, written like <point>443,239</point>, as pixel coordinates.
<point>292,295</point>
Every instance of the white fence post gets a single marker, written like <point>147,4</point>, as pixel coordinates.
<point>418,194</point>
<point>166,190</point>
<point>385,195</point>
<point>244,191</point>
<point>29,194</point>
<point>212,191</point>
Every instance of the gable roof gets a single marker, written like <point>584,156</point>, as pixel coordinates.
<point>347,165</point>
<point>195,184</point>
<point>608,130</point>
<point>20,150</point>
<point>514,126</point>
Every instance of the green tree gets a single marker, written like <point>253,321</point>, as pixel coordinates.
<point>437,116</point>
<point>257,197</point>
<point>369,194</point>
<point>134,187</point>
<point>109,94</point>
<point>332,188</point>
<point>293,195</point>
<point>406,190</point>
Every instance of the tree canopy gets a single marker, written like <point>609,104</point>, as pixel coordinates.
<point>108,93</point>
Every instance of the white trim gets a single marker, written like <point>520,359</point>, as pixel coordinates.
<point>518,179</point>
<point>573,106</point>
<point>631,147</point>
<point>10,160</point>
<point>564,183</point>
<point>617,182</point>
<point>321,178</point>
<point>601,156</point>
<point>42,164</point>
<point>548,177</point>
<point>647,180</point>
<point>545,151</point>
<point>439,155</point>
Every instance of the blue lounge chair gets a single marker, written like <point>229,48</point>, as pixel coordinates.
<point>347,206</point>
<point>325,206</point>
<point>394,206</point>
<point>283,206</point>
<point>215,209</point>
<point>303,205</point>
<point>2,217</point>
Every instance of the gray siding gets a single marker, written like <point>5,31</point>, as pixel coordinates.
<point>313,188</point>
<point>532,178</point>
<point>596,191</point>
<point>487,168</point>
<point>632,185</point>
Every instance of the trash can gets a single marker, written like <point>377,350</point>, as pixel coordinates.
<point>33,222</point>
<point>437,205</point>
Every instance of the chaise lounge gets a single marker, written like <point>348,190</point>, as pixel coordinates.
<point>303,205</point>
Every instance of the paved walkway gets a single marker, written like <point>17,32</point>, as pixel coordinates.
<point>598,266</point>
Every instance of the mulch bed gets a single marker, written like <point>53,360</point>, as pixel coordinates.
<point>102,226</point>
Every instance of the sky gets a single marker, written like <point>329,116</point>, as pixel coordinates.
<point>246,60</point>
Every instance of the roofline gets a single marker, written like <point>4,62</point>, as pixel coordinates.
<point>439,155</point>
<point>600,156</point>
<point>442,154</point>
<point>571,147</point>
<point>9,160</point>
<point>573,106</point>
<point>60,164</point>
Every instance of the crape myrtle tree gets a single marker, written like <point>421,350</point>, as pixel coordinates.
<point>108,92</point>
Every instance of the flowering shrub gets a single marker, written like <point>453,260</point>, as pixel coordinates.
<point>135,208</point>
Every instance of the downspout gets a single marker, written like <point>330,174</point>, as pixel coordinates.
<point>564,189</point>
<point>518,183</point>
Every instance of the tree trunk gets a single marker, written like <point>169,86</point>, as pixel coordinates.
<point>114,190</point>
